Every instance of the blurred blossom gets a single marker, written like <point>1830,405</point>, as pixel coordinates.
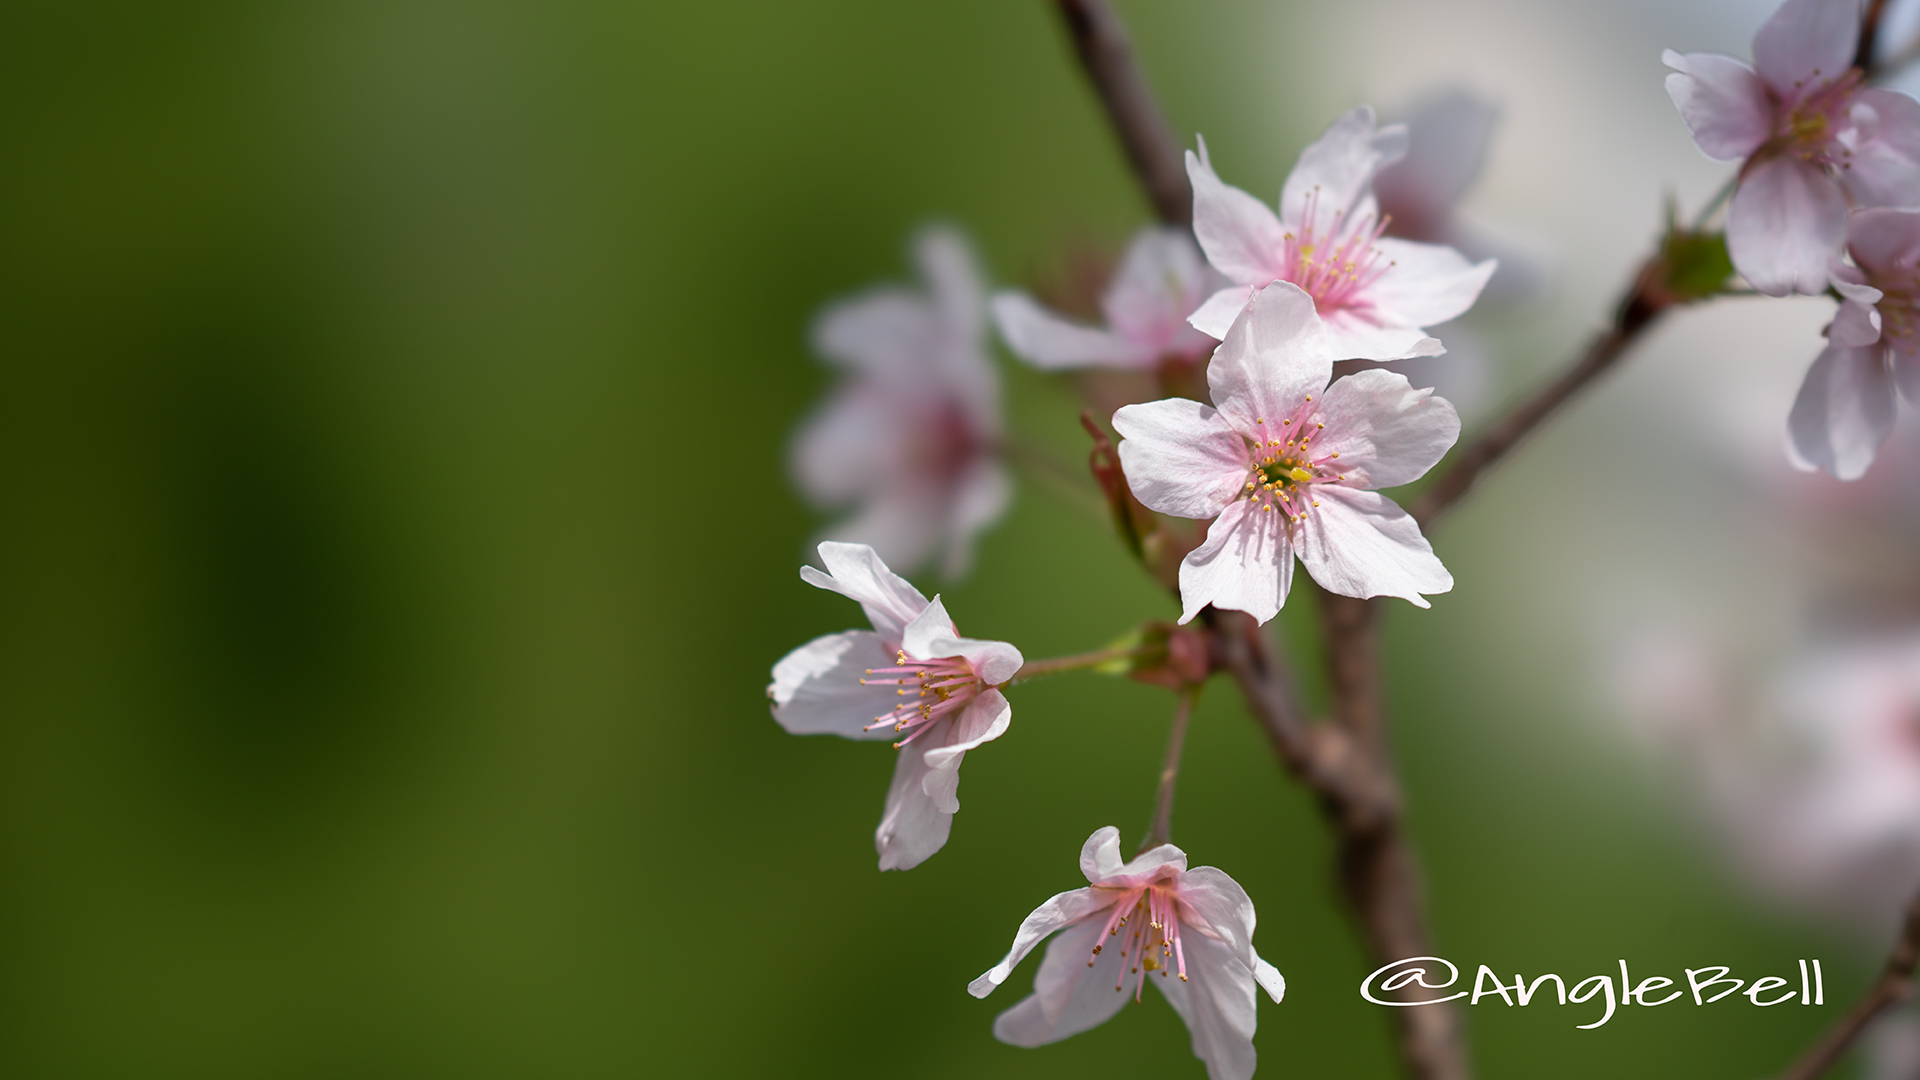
<point>1166,920</point>
<point>1817,782</point>
<point>1375,292</point>
<point>911,673</point>
<point>911,439</point>
<point>1160,281</point>
<point>1845,407</point>
<point>1810,135</point>
<point>1893,1047</point>
<point>1272,446</point>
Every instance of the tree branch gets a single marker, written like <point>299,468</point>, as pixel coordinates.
<point>1894,985</point>
<point>1643,304</point>
<point>1108,59</point>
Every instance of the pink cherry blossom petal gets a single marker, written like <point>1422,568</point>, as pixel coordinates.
<point>1241,237</point>
<point>1724,103</point>
<point>1272,359</point>
<point>817,688</point>
<point>1334,174</point>
<point>1180,457</point>
<point>1806,41</point>
<point>1844,411</point>
<point>1245,565</point>
<point>1385,432</point>
<point>1787,219</point>
<point>1052,343</point>
<point>1218,1005</point>
<point>1884,169</point>
<point>1362,544</point>
<point>856,571</point>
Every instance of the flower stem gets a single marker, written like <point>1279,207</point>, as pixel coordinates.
<point>1162,830</point>
<point>1034,669</point>
<point>1895,984</point>
<point>1714,204</point>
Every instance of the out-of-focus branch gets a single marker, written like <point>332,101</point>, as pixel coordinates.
<point>1162,830</point>
<point>1894,985</point>
<point>1108,59</point>
<point>1643,304</point>
<point>1869,34</point>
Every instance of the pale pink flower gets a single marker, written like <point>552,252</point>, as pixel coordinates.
<point>1161,280</point>
<point>911,440</point>
<point>1846,405</point>
<point>1151,916</point>
<point>1375,292</point>
<point>1810,134</point>
<point>1287,464</point>
<point>911,679</point>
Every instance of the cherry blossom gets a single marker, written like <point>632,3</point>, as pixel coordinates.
<point>1811,137</point>
<point>1375,292</point>
<point>1288,464</point>
<point>1846,405</point>
<point>1162,278</point>
<point>911,678</point>
<point>1151,916</point>
<point>910,441</point>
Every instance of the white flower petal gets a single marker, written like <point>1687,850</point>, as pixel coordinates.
<point>1241,237</point>
<point>833,460</point>
<point>857,572</point>
<point>1223,907</point>
<point>1723,102</point>
<point>1100,855</point>
<point>1426,285</point>
<point>1245,565</point>
<point>1787,219</point>
<point>1335,174</point>
<point>816,688</point>
<point>1356,337</point>
<point>1052,343</point>
<point>983,720</point>
<point>1217,1002</point>
<point>1270,979</point>
<point>1844,410</point>
<point>952,272</point>
<point>1068,996</point>
<point>1885,167</point>
<point>1162,279</point>
<point>1360,543</point>
<point>979,499</point>
<point>1386,432</point>
<point>1275,356</point>
<point>1180,457</point>
<point>911,828</point>
<point>1214,317</point>
<point>1145,863</point>
<point>1059,912</point>
<point>1855,325</point>
<point>931,636</point>
<point>1881,241</point>
<point>1806,42</point>
<point>882,332</point>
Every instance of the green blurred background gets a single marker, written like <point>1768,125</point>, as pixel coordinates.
<point>397,541</point>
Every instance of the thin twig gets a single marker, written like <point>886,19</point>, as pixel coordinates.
<point>1107,56</point>
<point>1869,35</point>
<point>1034,669</point>
<point>1162,830</point>
<point>1894,985</point>
<point>1643,304</point>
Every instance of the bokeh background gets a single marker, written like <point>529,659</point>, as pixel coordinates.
<point>396,540</point>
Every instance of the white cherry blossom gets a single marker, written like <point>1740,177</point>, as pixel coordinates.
<point>1193,929</point>
<point>1375,292</point>
<point>1288,465</point>
<point>911,679</point>
<point>911,440</point>
<point>1846,405</point>
<point>1161,279</point>
<point>1811,137</point>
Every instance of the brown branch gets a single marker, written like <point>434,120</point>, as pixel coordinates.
<point>1894,985</point>
<point>1162,830</point>
<point>1643,304</point>
<point>1869,34</point>
<point>1108,59</point>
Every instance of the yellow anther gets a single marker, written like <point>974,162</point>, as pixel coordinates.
<point>1300,474</point>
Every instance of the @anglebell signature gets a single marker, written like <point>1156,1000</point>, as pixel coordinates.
<point>1410,981</point>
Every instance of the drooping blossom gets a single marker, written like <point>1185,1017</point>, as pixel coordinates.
<point>910,440</point>
<point>1151,920</point>
<point>912,680</point>
<point>1375,292</point>
<point>1288,465</point>
<point>1846,405</point>
<point>1162,278</point>
<point>1810,135</point>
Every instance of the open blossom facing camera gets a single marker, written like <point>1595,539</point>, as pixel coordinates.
<point>1375,292</point>
<point>1152,920</point>
<point>1812,137</point>
<point>1287,465</point>
<point>1846,405</point>
<point>1161,280</point>
<point>911,440</point>
<point>911,680</point>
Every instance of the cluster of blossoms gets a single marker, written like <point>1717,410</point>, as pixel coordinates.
<point>1282,460</point>
<point>1829,170</point>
